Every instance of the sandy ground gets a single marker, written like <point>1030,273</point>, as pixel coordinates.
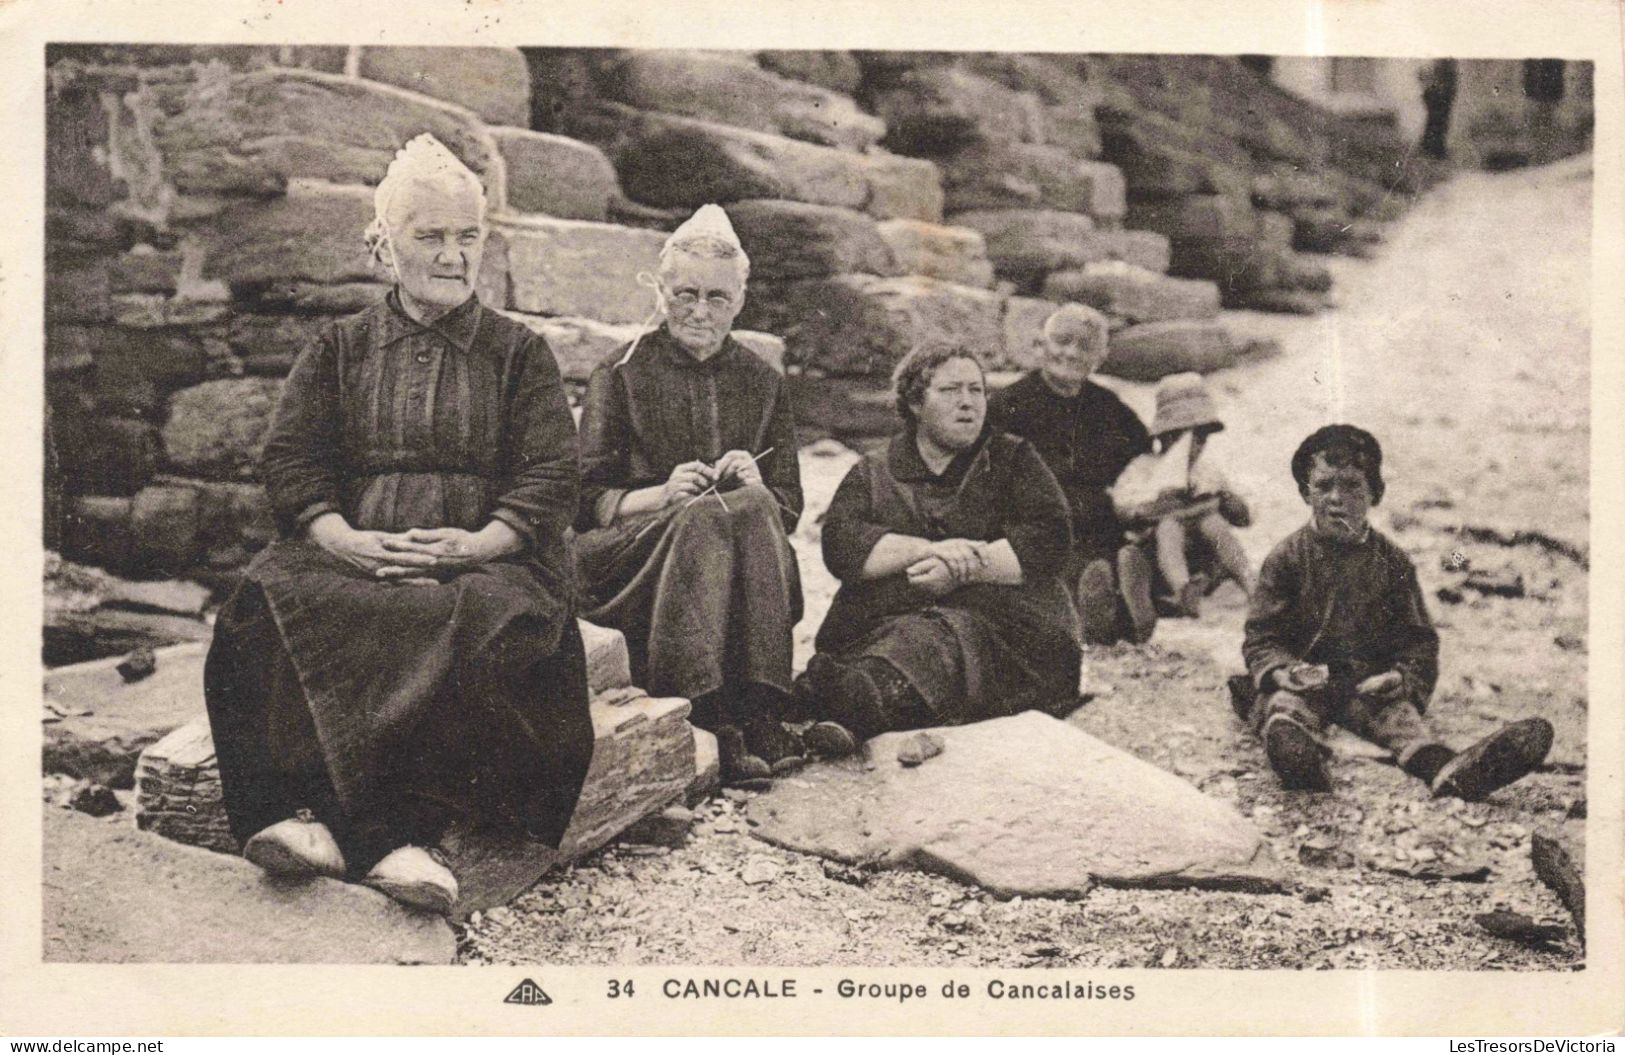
<point>1464,346</point>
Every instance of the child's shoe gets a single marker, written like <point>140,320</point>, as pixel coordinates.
<point>1295,754</point>
<point>1506,755</point>
<point>830,740</point>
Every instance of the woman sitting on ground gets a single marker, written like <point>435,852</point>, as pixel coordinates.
<point>949,543</point>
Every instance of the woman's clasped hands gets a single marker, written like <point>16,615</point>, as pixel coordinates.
<point>417,556</point>
<point>948,565</point>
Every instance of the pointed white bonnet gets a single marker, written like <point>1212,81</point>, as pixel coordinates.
<point>708,221</point>
<point>707,233</point>
<point>424,160</point>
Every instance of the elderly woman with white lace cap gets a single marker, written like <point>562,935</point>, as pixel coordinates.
<point>407,655</point>
<point>690,486</point>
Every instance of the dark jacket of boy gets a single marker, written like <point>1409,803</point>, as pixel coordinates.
<point>1356,607</point>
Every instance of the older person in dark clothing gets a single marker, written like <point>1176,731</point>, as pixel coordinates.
<point>1086,435</point>
<point>948,543</point>
<point>691,487</point>
<point>408,654</point>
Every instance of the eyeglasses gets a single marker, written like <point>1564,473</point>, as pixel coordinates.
<point>688,298</point>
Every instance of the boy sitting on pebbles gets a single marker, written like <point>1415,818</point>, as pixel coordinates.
<point>1338,633</point>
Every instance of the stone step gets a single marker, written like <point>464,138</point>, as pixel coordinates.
<point>96,723</point>
<point>1027,244</point>
<point>555,175</point>
<point>671,161</point>
<point>1134,294</point>
<point>857,325</point>
<point>952,254</point>
<point>1153,350</point>
<point>729,88</point>
<point>789,240</point>
<point>115,895</point>
<point>493,82</point>
<point>645,757</point>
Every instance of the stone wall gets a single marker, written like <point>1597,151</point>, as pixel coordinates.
<point>205,206</point>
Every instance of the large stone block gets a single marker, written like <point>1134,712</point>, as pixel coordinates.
<point>1162,159</point>
<point>77,290</point>
<point>556,175</point>
<point>90,613</point>
<point>1027,244</point>
<point>674,161</point>
<point>1083,813</point>
<point>163,358</point>
<point>937,111</point>
<point>268,344</point>
<point>729,88</point>
<point>1240,266</point>
<point>251,133</point>
<point>216,429</point>
<point>792,240</point>
<point>113,895</point>
<point>492,82</point>
<point>99,454</point>
<point>1155,349</point>
<point>232,514</point>
<point>1032,176</point>
<point>96,530</point>
<point>164,525</point>
<point>836,70</point>
<point>1133,293</point>
<point>855,325</point>
<point>311,234</point>
<point>579,344</point>
<point>952,254</point>
<point>1200,217</point>
<point>902,188</point>
<point>573,267</point>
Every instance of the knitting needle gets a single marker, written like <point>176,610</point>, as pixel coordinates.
<point>708,491</point>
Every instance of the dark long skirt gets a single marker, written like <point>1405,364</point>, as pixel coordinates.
<point>979,652</point>
<point>706,594</point>
<point>392,710</point>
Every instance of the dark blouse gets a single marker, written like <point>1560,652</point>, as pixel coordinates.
<point>998,489</point>
<point>1086,440</point>
<point>662,407</point>
<point>397,424</point>
<point>1350,605</point>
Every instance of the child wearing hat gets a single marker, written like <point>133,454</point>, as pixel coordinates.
<point>1184,504</point>
<point>1338,632</point>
